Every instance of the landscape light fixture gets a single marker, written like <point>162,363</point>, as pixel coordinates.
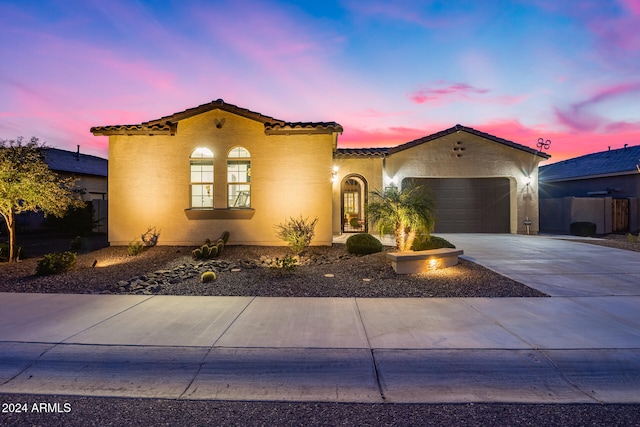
<point>334,175</point>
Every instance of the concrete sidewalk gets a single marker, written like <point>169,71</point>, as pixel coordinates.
<point>564,349</point>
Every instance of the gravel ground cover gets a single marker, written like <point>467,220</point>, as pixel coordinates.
<point>326,272</point>
<point>94,411</point>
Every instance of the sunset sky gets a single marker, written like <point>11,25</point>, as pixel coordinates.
<point>387,71</point>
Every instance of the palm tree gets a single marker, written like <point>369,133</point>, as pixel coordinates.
<point>405,213</point>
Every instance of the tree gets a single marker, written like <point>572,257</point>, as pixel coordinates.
<point>27,184</point>
<point>405,213</point>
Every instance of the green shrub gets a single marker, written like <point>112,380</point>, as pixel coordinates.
<point>287,262</point>
<point>134,248</point>
<point>297,232</point>
<point>208,277</point>
<point>431,242</point>
<point>363,243</point>
<point>55,263</point>
<point>354,222</point>
<point>583,229</point>
<point>224,237</point>
<point>633,239</point>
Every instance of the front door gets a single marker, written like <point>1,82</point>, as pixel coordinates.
<point>354,199</point>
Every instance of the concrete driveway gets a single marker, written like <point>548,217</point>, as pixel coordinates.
<point>557,266</point>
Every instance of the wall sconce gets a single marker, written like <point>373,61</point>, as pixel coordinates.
<point>528,181</point>
<point>334,174</point>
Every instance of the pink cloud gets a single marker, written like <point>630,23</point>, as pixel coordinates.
<point>580,116</point>
<point>445,90</point>
<point>632,6</point>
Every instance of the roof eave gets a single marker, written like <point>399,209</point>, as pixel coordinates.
<point>460,128</point>
<point>302,128</point>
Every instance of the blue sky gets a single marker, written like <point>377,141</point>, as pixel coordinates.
<point>387,71</point>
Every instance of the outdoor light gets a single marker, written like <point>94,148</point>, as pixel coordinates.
<point>334,175</point>
<point>392,181</point>
<point>528,181</point>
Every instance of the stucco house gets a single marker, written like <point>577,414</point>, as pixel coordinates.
<point>91,185</point>
<point>603,188</point>
<point>220,167</point>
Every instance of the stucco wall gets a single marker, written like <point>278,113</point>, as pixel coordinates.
<point>149,180</point>
<point>558,214</point>
<point>464,155</point>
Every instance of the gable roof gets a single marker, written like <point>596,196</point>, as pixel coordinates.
<point>350,152</point>
<point>460,128</point>
<point>621,161</point>
<point>75,163</point>
<point>168,125</point>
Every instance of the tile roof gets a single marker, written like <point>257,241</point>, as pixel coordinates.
<point>75,162</point>
<point>167,125</point>
<point>361,152</point>
<point>621,161</point>
<point>460,128</point>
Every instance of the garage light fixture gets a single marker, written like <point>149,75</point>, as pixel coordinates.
<point>528,181</point>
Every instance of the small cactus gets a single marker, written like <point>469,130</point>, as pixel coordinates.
<point>208,277</point>
<point>211,250</point>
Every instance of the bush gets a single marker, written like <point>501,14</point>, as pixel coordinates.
<point>431,242</point>
<point>134,248</point>
<point>297,232</point>
<point>287,262</point>
<point>363,244</point>
<point>633,239</point>
<point>208,277</point>
<point>150,237</point>
<point>583,229</point>
<point>354,223</point>
<point>55,263</point>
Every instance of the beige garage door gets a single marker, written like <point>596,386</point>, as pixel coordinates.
<point>470,205</point>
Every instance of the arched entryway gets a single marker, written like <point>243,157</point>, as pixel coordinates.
<point>353,195</point>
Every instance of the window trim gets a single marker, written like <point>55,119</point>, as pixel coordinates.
<point>205,157</point>
<point>242,155</point>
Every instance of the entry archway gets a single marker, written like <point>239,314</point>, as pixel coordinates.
<point>354,197</point>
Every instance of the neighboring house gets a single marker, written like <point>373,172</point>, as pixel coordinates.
<point>220,167</point>
<point>91,185</point>
<point>603,188</point>
<point>91,171</point>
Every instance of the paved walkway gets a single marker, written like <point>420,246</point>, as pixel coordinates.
<point>580,345</point>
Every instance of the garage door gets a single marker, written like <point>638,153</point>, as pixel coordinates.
<point>470,205</point>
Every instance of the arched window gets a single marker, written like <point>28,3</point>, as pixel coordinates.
<point>201,162</point>
<point>239,178</point>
